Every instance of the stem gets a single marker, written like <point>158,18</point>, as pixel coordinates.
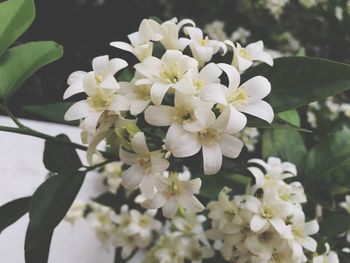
<point>28,131</point>
<point>13,117</point>
<point>90,168</point>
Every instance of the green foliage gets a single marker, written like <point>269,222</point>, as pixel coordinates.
<point>60,158</point>
<point>286,144</point>
<point>297,81</point>
<point>52,199</point>
<point>53,112</point>
<point>291,117</point>
<point>12,211</point>
<point>16,17</point>
<point>20,62</point>
<point>335,225</point>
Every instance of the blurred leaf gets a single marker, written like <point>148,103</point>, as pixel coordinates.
<point>335,225</point>
<point>54,112</point>
<point>329,161</point>
<point>16,17</point>
<point>125,75</point>
<point>61,158</point>
<point>12,211</point>
<point>50,203</point>
<point>286,144</point>
<point>278,123</point>
<point>297,81</point>
<point>291,116</point>
<point>19,63</point>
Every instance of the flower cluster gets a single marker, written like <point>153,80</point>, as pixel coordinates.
<point>267,224</point>
<point>179,102</point>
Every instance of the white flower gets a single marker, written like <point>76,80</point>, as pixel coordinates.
<point>301,232</point>
<point>103,75</point>
<point>213,136</point>
<point>240,34</point>
<point>249,136</point>
<point>328,257</point>
<point>181,114</point>
<point>171,71</point>
<point>112,174</point>
<point>174,193</point>
<point>98,101</point>
<point>76,212</point>
<point>246,98</point>
<point>138,95</point>
<point>268,212</point>
<point>202,48</point>
<point>276,7</point>
<point>243,58</point>
<point>145,166</point>
<point>141,45</point>
<point>215,30</point>
<point>169,31</point>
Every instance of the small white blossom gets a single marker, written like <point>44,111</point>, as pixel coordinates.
<point>328,257</point>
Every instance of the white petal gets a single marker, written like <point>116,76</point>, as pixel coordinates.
<point>308,243</point>
<point>91,121</point>
<point>212,158</point>
<point>76,76</point>
<point>170,208</point>
<point>192,186</point>
<point>233,75</point>
<point>159,165</point>
<point>258,175</point>
<point>231,120</point>
<point>147,186</point>
<point>257,223</point>
<point>119,103</point>
<point>159,115</point>
<point>195,33</point>
<point>158,92</point>
<point>311,228</point>
<point>116,64</point>
<point>230,146</point>
<point>78,110</point>
<point>190,203</point>
<point>202,54</point>
<point>187,145</point>
<point>264,57</point>
<point>214,93</point>
<point>149,67</point>
<point>138,143</point>
<point>132,177</point>
<point>210,73</point>
<point>260,109</point>
<point>252,204</point>
<point>205,117</point>
<point>122,45</point>
<point>156,202</point>
<point>279,225</point>
<point>138,106</point>
<point>174,132</point>
<point>184,85</point>
<point>127,157</point>
<point>73,89</point>
<point>100,64</point>
<point>109,83</point>
<point>257,88</point>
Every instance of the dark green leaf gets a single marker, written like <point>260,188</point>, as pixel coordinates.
<point>50,203</point>
<point>335,225</point>
<point>286,144</point>
<point>61,158</point>
<point>53,112</point>
<point>15,16</point>
<point>19,63</point>
<point>125,75</point>
<point>40,254</point>
<point>12,211</point>
<point>329,161</point>
<point>297,81</point>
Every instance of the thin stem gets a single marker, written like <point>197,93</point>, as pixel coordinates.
<point>13,117</point>
<point>90,168</point>
<point>28,131</point>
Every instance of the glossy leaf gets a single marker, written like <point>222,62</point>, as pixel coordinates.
<point>286,144</point>
<point>16,17</point>
<point>19,63</point>
<point>53,112</point>
<point>50,203</point>
<point>297,81</point>
<point>12,211</point>
<point>61,158</point>
<point>332,226</point>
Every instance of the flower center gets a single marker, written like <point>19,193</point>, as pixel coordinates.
<point>209,136</point>
<point>146,163</point>
<point>238,98</point>
<point>98,78</point>
<point>244,53</point>
<point>100,101</point>
<point>297,232</point>
<point>184,115</point>
<point>143,92</point>
<point>171,73</point>
<point>204,42</point>
<point>267,211</point>
<point>198,85</point>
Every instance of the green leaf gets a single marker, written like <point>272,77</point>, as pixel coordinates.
<point>50,203</point>
<point>61,158</point>
<point>40,254</point>
<point>16,17</point>
<point>335,225</point>
<point>286,144</point>
<point>125,75</point>
<point>12,211</point>
<point>297,81</point>
<point>53,112</point>
<point>329,161</point>
<point>19,63</point>
<point>291,117</point>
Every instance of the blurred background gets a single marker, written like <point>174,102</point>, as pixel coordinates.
<point>86,27</point>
